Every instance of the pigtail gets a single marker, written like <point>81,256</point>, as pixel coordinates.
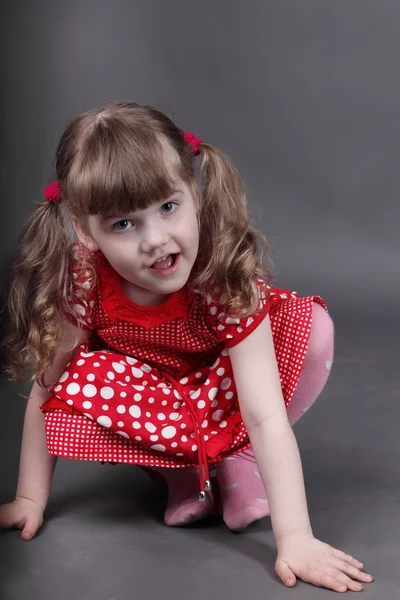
<point>39,288</point>
<point>230,250</point>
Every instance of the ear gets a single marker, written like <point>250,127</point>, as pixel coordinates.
<point>84,236</point>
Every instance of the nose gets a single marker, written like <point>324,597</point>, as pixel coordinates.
<point>154,236</point>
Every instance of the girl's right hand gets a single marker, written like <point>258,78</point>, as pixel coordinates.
<point>22,514</point>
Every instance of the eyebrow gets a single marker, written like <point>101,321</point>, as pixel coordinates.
<point>111,217</point>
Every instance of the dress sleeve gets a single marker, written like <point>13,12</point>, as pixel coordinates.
<point>232,330</point>
<point>83,297</point>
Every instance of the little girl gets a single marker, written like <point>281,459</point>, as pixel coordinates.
<point>155,338</point>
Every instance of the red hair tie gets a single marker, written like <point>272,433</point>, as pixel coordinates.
<point>193,141</point>
<point>52,192</point>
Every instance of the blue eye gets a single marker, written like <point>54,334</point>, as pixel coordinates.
<point>123,222</point>
<point>169,207</point>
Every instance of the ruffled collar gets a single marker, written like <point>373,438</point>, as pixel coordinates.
<point>118,306</point>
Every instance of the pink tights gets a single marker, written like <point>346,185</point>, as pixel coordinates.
<point>238,492</point>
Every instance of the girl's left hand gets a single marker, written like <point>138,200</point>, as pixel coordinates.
<point>315,562</point>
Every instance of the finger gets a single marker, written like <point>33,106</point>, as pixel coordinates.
<point>31,526</point>
<point>285,573</point>
<point>343,579</point>
<point>323,579</point>
<point>348,558</point>
<point>351,571</point>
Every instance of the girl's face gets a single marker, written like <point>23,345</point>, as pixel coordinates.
<point>153,249</point>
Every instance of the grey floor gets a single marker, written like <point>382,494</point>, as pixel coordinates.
<point>104,537</point>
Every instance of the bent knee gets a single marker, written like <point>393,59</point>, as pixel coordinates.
<point>322,334</point>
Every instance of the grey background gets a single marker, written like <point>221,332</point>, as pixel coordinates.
<point>304,97</point>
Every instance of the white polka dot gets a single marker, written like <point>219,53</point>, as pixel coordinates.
<point>58,388</point>
<point>148,415</point>
<point>176,405</point>
<point>194,448</point>
<point>137,372</point>
<point>166,390</point>
<point>168,432</point>
<point>212,393</point>
<point>174,416</point>
<point>198,375</point>
<point>89,390</point>
<point>146,368</point>
<point>204,423</point>
<point>88,416</point>
<point>214,403</point>
<point>137,397</point>
<point>86,354</point>
<point>220,371</point>
<point>65,374</point>
<point>136,425</point>
<point>177,395</point>
<point>135,411</point>
<point>75,375</point>
<point>161,417</point>
<point>223,424</point>
<point>226,383</point>
<point>217,416</point>
<point>127,378</point>
<point>138,438</point>
<point>233,320</point>
<point>183,425</point>
<point>154,438</point>
<point>164,403</point>
<point>213,310</point>
<point>120,423</point>
<point>105,407</point>
<point>201,404</point>
<point>104,421</point>
<point>184,438</point>
<point>72,389</point>
<point>87,404</point>
<point>80,362</point>
<point>174,445</point>
<point>159,447</point>
<point>229,395</point>
<point>123,394</point>
<point>118,367</point>
<point>90,377</point>
<point>106,392</point>
<point>80,309</point>
<point>184,380</point>
<point>70,402</point>
<point>96,364</point>
<point>110,375</point>
<point>151,400</point>
<point>138,388</point>
<point>130,360</point>
<point>124,434</point>
<point>150,427</point>
<point>194,393</point>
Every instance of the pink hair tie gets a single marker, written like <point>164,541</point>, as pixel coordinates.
<point>52,192</point>
<point>193,141</point>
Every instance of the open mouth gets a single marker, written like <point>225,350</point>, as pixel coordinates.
<point>165,263</point>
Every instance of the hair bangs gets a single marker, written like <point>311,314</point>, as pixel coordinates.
<point>121,173</point>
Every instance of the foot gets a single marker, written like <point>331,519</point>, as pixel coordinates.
<point>183,506</point>
<point>242,492</point>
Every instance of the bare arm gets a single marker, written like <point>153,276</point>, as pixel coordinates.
<point>36,464</point>
<point>274,445</point>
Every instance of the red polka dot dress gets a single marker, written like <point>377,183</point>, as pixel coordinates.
<point>154,385</point>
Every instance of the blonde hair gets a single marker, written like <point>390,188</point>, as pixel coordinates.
<point>124,157</point>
